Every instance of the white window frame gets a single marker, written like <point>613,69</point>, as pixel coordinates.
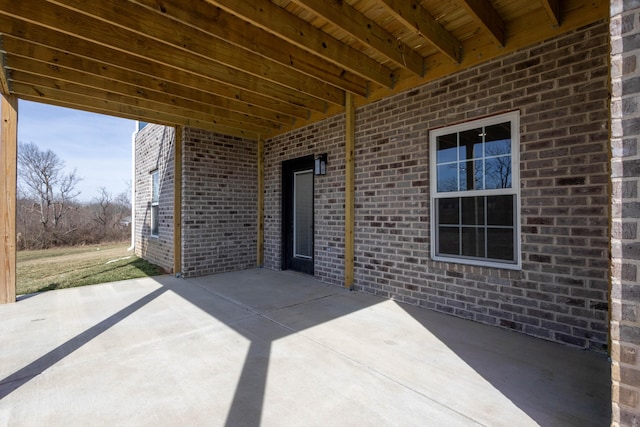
<point>514,118</point>
<point>154,203</point>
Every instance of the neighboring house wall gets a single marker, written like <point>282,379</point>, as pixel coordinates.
<point>154,151</point>
<point>560,88</point>
<point>625,209</point>
<point>219,203</point>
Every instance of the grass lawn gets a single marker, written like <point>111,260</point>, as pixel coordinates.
<point>59,268</point>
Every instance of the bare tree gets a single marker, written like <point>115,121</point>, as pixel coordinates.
<point>498,164</point>
<point>102,214</point>
<point>52,191</point>
<point>124,198</point>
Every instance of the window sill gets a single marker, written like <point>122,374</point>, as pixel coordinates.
<point>479,263</point>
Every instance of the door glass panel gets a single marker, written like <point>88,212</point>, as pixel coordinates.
<point>303,214</point>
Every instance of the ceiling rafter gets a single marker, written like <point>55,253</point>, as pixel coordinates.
<point>159,76</point>
<point>47,87</point>
<point>162,101</point>
<point>75,101</point>
<point>4,82</point>
<point>145,24</point>
<point>129,43</point>
<point>276,20</point>
<point>57,58</point>
<point>366,31</point>
<point>218,23</point>
<point>256,68</point>
<point>552,7</point>
<point>415,17</point>
<point>486,15</point>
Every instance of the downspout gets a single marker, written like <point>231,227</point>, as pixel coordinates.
<point>133,187</point>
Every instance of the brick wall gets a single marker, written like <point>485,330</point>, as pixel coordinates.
<point>219,203</point>
<point>219,200</point>
<point>323,137</point>
<point>560,88</point>
<point>154,151</point>
<point>625,210</point>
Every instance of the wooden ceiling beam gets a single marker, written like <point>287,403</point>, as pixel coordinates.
<point>415,17</point>
<point>135,19</point>
<point>552,7</point>
<point>4,82</point>
<point>24,68</point>
<point>56,61</point>
<point>66,21</point>
<point>218,23</point>
<point>132,113</point>
<point>46,87</point>
<point>484,12</point>
<point>160,75</point>
<point>276,20</point>
<point>367,31</point>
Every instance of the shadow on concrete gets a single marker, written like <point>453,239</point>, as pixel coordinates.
<point>543,387</point>
<point>249,293</point>
<point>535,386</point>
<point>246,409</point>
<point>38,366</point>
<point>285,303</point>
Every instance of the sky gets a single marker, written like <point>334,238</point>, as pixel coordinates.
<point>97,146</point>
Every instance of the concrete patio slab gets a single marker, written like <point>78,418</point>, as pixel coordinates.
<point>277,349</point>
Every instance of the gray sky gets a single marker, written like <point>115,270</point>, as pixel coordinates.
<point>98,146</point>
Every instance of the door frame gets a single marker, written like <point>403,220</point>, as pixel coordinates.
<point>289,168</point>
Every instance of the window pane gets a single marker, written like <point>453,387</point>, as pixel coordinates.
<point>498,148</point>
<point>473,242</point>
<point>154,220</point>
<point>473,211</point>
<point>478,174</point>
<point>155,187</point>
<point>500,244</point>
<point>468,176</point>
<point>470,143</point>
<point>449,211</point>
<point>500,210</point>
<point>447,146</point>
<point>498,139</point>
<point>498,172</point>
<point>478,150</point>
<point>448,241</point>
<point>447,180</point>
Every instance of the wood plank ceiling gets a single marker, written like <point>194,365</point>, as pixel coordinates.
<point>261,67</point>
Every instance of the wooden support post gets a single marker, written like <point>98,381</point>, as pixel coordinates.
<point>8,185</point>
<point>260,237</point>
<point>349,192</point>
<point>177,201</point>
